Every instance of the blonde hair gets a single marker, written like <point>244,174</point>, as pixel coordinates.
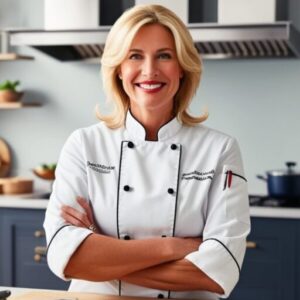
<point>116,49</point>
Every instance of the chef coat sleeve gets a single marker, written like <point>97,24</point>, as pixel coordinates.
<point>227,224</point>
<point>71,181</point>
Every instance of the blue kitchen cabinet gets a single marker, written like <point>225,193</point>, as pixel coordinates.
<point>22,250</point>
<point>269,271</point>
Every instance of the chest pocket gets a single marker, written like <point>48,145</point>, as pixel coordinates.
<point>147,189</point>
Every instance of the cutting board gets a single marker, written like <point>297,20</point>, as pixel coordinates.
<point>55,295</point>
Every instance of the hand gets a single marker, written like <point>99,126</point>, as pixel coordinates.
<point>80,219</point>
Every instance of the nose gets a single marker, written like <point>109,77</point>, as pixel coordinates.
<point>150,67</point>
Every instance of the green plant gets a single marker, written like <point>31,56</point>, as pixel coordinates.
<point>9,85</point>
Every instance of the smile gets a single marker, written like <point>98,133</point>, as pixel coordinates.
<point>150,86</point>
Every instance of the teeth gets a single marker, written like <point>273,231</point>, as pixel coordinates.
<point>150,86</point>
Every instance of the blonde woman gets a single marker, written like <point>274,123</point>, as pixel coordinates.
<point>149,202</point>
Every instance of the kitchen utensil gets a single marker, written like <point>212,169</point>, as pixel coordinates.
<point>283,184</point>
<point>5,159</point>
<point>16,185</point>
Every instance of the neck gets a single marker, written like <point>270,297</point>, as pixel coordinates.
<point>152,121</point>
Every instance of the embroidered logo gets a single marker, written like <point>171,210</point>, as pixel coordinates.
<point>196,175</point>
<point>100,168</point>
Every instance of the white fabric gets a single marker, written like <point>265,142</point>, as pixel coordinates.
<point>90,164</point>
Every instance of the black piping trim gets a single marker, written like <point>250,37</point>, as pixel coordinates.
<point>54,235</point>
<point>118,197</point>
<point>177,193</point>
<point>177,190</point>
<point>237,264</point>
<point>120,283</point>
<point>145,128</point>
<point>239,176</point>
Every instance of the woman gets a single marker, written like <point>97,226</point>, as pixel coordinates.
<point>168,194</point>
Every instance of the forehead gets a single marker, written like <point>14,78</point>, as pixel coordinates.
<point>153,36</point>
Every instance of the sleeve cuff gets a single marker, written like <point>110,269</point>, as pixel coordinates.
<point>62,246</point>
<point>217,262</point>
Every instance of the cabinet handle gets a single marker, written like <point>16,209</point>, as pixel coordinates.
<point>39,253</point>
<point>251,245</point>
<point>39,233</point>
<point>37,258</point>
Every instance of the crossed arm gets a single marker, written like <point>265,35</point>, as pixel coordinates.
<point>154,263</point>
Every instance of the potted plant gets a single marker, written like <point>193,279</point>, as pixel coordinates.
<point>8,92</point>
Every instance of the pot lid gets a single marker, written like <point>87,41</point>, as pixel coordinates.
<point>289,171</point>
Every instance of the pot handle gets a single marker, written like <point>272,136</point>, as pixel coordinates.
<point>291,165</point>
<point>261,177</point>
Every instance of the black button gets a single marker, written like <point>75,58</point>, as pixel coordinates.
<point>173,146</point>
<point>160,296</point>
<point>126,237</point>
<point>163,235</point>
<point>130,145</point>
<point>126,188</point>
<point>170,191</point>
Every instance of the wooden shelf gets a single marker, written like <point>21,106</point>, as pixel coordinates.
<point>13,57</point>
<point>15,105</point>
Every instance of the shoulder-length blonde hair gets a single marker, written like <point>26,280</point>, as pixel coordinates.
<point>116,49</point>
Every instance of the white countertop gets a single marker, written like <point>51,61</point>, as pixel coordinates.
<point>255,211</point>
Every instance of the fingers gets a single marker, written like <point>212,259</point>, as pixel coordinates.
<point>86,207</point>
<point>75,217</point>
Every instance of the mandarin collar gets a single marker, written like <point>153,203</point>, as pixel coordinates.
<point>137,130</point>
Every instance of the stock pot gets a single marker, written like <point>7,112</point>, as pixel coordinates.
<point>283,184</point>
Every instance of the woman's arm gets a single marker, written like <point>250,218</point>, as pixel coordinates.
<point>101,258</point>
<point>180,275</point>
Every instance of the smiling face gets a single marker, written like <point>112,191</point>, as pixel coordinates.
<point>151,72</point>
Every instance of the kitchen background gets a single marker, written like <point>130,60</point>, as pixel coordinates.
<point>257,101</point>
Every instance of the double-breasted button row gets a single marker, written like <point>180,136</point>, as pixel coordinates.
<point>131,145</point>
<point>127,188</point>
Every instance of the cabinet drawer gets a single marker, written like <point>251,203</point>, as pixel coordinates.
<point>22,234</point>
<point>268,271</point>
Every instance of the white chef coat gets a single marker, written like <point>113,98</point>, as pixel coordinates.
<point>189,183</point>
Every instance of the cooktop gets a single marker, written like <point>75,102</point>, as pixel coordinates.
<point>262,200</point>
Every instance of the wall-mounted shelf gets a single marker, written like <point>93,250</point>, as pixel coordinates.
<point>14,56</point>
<point>15,105</point>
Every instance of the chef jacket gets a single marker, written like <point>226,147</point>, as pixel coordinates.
<point>188,183</point>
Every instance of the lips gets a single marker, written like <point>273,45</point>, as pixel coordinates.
<point>151,86</point>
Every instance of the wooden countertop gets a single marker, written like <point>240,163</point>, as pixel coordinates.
<point>36,294</point>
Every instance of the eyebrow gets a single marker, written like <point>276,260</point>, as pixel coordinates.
<point>159,50</point>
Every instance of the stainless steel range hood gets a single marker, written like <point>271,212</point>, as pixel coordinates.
<point>213,41</point>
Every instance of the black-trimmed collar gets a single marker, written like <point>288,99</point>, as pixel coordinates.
<point>137,130</point>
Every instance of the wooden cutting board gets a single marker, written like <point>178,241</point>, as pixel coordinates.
<point>60,295</point>
<point>5,159</point>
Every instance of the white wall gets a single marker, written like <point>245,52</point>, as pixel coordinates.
<point>257,101</point>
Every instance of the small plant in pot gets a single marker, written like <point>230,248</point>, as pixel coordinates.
<point>8,92</point>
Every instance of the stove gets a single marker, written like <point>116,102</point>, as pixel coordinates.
<point>261,200</point>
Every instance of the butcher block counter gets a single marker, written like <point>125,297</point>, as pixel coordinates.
<point>35,294</point>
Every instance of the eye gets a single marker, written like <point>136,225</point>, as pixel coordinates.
<point>164,55</point>
<point>135,56</point>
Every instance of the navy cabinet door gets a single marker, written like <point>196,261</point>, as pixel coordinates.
<point>22,266</point>
<point>268,272</point>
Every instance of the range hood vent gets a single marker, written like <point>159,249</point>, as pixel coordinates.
<point>213,41</point>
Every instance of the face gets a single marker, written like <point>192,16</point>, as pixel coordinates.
<point>151,72</point>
